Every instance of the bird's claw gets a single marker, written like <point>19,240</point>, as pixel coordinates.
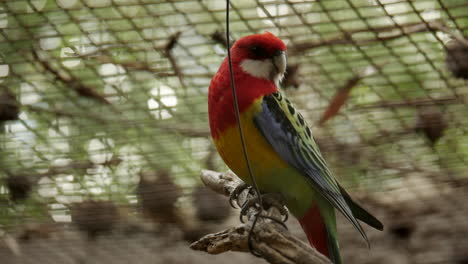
<point>235,195</point>
<point>269,200</point>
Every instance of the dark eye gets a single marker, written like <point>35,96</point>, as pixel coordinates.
<point>258,51</point>
<point>254,48</point>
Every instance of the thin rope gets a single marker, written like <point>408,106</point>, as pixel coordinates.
<point>239,125</point>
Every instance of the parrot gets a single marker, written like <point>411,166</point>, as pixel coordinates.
<point>283,155</point>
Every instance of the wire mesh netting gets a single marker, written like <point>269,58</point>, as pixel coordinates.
<point>104,122</point>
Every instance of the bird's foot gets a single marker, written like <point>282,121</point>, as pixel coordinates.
<point>236,195</point>
<point>269,201</point>
<point>263,207</point>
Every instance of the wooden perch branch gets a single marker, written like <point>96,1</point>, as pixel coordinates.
<point>269,239</point>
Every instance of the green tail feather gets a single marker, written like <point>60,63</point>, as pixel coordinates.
<point>333,248</point>
<point>328,213</point>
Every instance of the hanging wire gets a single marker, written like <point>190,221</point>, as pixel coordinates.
<point>241,132</point>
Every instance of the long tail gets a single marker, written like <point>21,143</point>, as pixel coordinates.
<point>320,235</point>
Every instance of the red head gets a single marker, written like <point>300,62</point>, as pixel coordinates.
<point>257,47</point>
<point>259,63</point>
<point>261,55</point>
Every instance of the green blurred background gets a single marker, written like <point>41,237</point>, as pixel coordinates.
<point>96,94</point>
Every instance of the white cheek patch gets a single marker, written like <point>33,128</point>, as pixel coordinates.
<point>262,69</point>
<point>258,68</point>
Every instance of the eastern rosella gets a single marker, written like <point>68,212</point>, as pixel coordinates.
<point>283,154</point>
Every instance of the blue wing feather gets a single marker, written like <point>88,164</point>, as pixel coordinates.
<point>287,132</point>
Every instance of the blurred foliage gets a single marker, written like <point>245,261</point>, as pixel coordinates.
<point>60,58</point>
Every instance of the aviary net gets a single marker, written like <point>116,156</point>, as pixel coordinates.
<point>103,111</point>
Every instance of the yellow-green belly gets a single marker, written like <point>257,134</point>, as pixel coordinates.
<point>271,172</point>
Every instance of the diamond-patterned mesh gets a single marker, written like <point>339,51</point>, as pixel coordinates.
<point>98,93</point>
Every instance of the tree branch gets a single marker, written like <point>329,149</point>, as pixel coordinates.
<point>180,129</point>
<point>269,239</point>
<point>71,82</point>
<point>173,39</point>
<point>386,33</point>
<point>411,103</point>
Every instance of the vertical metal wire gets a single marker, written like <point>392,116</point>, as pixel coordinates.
<point>239,126</point>
<point>236,106</point>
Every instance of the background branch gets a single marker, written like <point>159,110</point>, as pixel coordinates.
<point>388,33</point>
<point>411,103</point>
<point>71,82</point>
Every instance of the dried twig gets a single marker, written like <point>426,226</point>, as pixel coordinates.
<point>411,103</point>
<point>63,113</point>
<point>66,169</point>
<point>103,56</point>
<point>220,38</point>
<point>343,93</point>
<point>388,33</point>
<point>168,51</point>
<point>71,82</point>
<point>339,100</point>
<point>445,29</point>
<point>9,107</point>
<point>134,65</point>
<point>457,59</point>
<point>270,240</point>
<point>432,123</point>
<point>180,129</point>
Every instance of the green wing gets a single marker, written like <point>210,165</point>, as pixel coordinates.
<point>287,132</point>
